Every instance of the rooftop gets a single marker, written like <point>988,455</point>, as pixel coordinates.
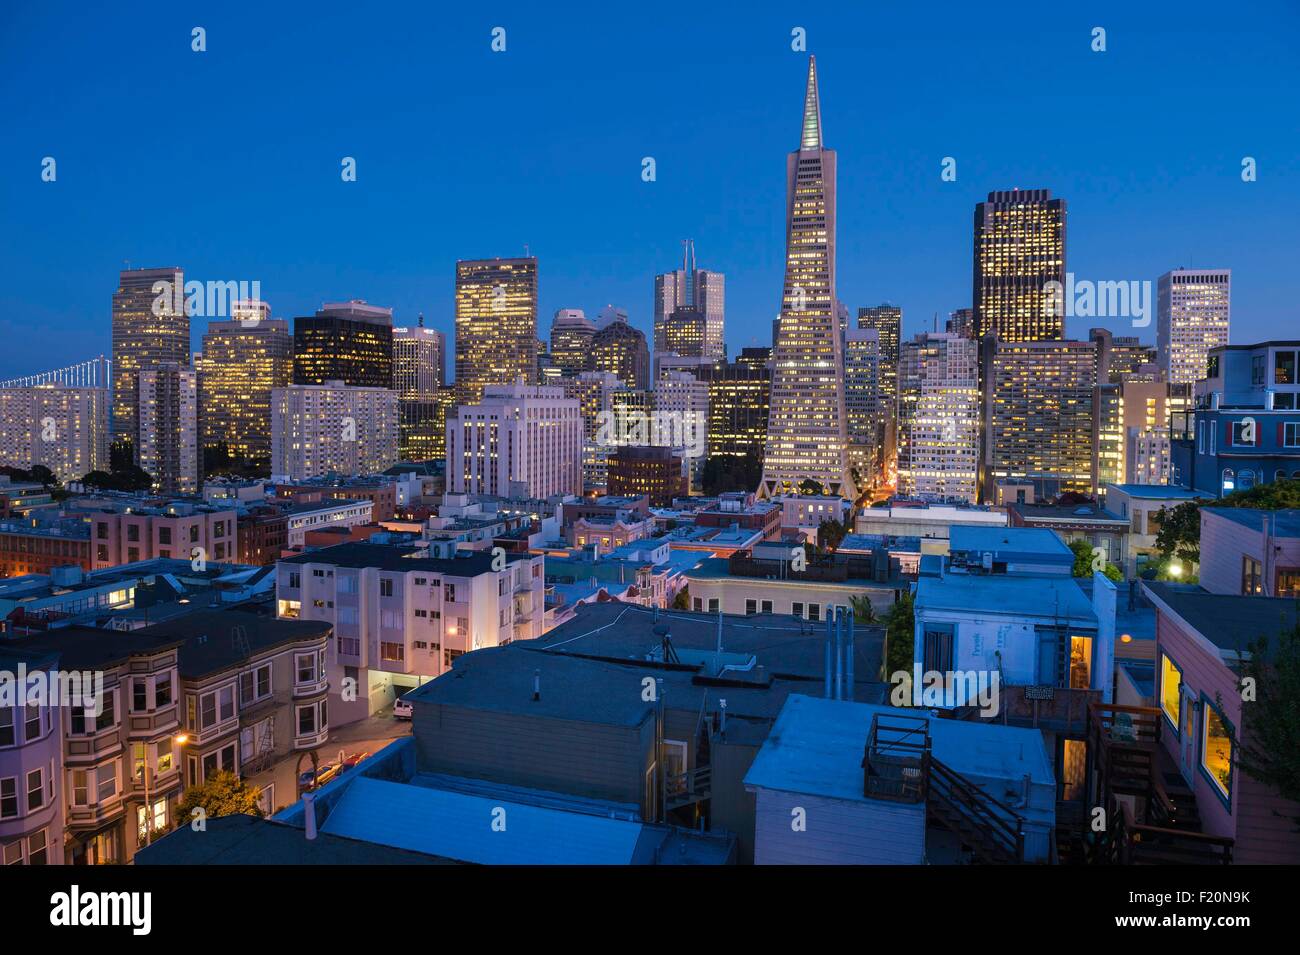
<point>396,557</point>
<point>1025,596</point>
<point>1020,542</point>
<point>1231,623</point>
<point>89,648</point>
<point>212,641</point>
<point>1157,491</point>
<point>247,840</point>
<point>1279,523</point>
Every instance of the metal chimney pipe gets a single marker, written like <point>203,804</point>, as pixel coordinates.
<point>537,685</point>
<point>309,813</point>
<point>827,694</point>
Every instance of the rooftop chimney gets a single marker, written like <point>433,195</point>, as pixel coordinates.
<point>309,813</point>
<point>537,685</point>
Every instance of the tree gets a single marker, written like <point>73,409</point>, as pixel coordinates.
<point>831,533</point>
<point>1180,526</point>
<point>730,472</point>
<point>1083,561</point>
<point>134,478</point>
<point>810,486</point>
<point>900,635</point>
<point>221,794</point>
<point>863,612</point>
<point>683,600</point>
<point>1270,750</point>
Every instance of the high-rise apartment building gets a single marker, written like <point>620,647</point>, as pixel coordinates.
<point>681,408</point>
<point>1019,248</point>
<point>1193,310</point>
<point>520,440</point>
<point>864,402</point>
<point>61,427</point>
<point>887,321</point>
<point>961,322</point>
<point>243,360</point>
<point>571,333</point>
<point>594,391</point>
<point>1132,434</point>
<point>167,444</point>
<point>496,324</point>
<point>351,342</point>
<point>332,428</point>
<point>1120,357</point>
<point>939,418</point>
<point>806,437</point>
<point>694,290</point>
<point>150,326</point>
<point>1038,416</point>
<point>740,396</point>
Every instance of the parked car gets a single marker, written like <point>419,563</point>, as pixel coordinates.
<point>402,709</point>
<point>327,772</point>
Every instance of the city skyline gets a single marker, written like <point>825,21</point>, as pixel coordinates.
<point>904,232</point>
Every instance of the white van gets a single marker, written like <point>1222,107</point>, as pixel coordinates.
<point>402,709</point>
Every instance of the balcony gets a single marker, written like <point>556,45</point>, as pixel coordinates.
<point>1058,709</point>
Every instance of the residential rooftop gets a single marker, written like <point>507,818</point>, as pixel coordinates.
<point>1157,491</point>
<point>397,557</point>
<point>1229,622</point>
<point>217,640</point>
<point>90,648</point>
<point>1011,542</point>
<point>1017,595</point>
<point>1284,522</point>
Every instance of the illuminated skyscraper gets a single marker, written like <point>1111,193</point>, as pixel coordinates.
<point>1019,248</point>
<point>351,342</point>
<point>168,440</point>
<point>496,324</point>
<point>887,320</point>
<point>419,371</point>
<point>740,396</point>
<point>1038,415</point>
<point>62,427</point>
<point>332,428</point>
<point>150,326</point>
<point>699,291</point>
<point>242,360</point>
<point>961,322</point>
<point>571,333</point>
<point>1193,309</point>
<point>806,435</point>
<point>939,418</point>
<point>621,350</point>
<point>864,402</point>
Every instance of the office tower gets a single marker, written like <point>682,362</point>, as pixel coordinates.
<point>496,324</point>
<point>887,320</point>
<point>1132,433</point>
<point>756,357</point>
<point>683,333</point>
<point>1019,248</point>
<point>698,290</point>
<point>168,440</point>
<point>740,395</point>
<point>518,441</point>
<point>658,472</point>
<point>681,408</point>
<point>571,334</point>
<point>422,425</point>
<point>939,418</point>
<point>332,428</point>
<point>961,322</point>
<point>419,361</point>
<point>594,391</point>
<point>150,326</point>
<point>1038,415</point>
<point>1193,310</point>
<point>1120,357</point>
<point>243,360</point>
<point>61,427</point>
<point>863,403</point>
<point>351,342</point>
<point>621,350</point>
<point>806,437</point>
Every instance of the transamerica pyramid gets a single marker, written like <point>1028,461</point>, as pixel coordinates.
<point>806,436</point>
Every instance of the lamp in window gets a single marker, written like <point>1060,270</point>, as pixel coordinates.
<point>180,739</point>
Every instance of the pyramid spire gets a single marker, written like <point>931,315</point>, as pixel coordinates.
<point>812,113</point>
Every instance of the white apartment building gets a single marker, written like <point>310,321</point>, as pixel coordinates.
<point>168,445</point>
<point>400,620</point>
<point>332,428</point>
<point>335,512</point>
<point>939,418</point>
<point>519,441</point>
<point>61,427</point>
<point>1193,309</point>
<point>681,404</point>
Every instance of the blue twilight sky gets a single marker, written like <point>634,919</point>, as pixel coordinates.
<point>228,162</point>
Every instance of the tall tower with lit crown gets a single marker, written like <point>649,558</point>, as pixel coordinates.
<point>806,431</point>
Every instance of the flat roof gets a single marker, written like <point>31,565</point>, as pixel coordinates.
<point>357,554</point>
<point>88,648</point>
<point>1228,621</point>
<point>211,637</point>
<point>248,840</point>
<point>1284,522</point>
<point>1157,491</point>
<point>1021,542</point>
<point>1012,594</point>
<point>816,748</point>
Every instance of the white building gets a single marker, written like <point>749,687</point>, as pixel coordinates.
<point>939,418</point>
<point>1193,309</point>
<point>168,445</point>
<point>332,512</point>
<point>419,361</point>
<point>519,441</point>
<point>681,403</point>
<point>332,428</point>
<point>400,620</point>
<point>61,427</point>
